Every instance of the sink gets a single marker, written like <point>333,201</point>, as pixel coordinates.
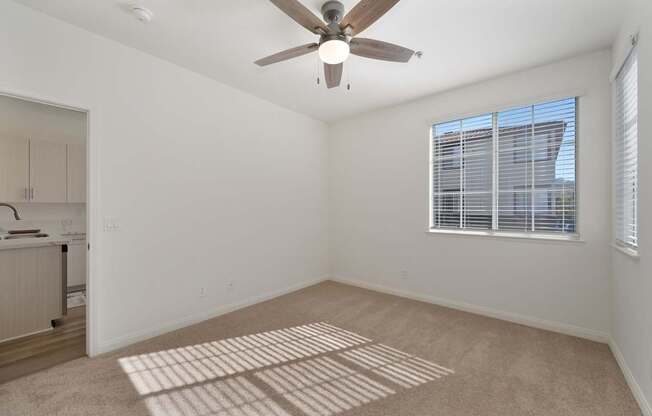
<point>22,236</point>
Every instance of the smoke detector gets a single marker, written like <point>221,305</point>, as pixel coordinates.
<point>143,14</point>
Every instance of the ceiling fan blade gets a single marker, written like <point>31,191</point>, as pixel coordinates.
<point>301,15</point>
<point>288,54</point>
<point>365,13</point>
<point>377,49</point>
<point>333,74</point>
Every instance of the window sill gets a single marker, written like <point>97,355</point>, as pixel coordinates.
<point>573,238</point>
<point>626,250</point>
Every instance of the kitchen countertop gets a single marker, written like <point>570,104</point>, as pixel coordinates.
<point>52,240</point>
<point>57,234</point>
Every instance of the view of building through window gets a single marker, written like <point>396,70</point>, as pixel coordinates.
<point>511,170</point>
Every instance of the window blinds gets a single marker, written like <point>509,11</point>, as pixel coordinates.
<point>536,167</point>
<point>512,170</point>
<point>626,152</point>
<point>462,179</point>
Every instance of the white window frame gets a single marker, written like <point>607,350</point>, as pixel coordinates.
<point>497,234</point>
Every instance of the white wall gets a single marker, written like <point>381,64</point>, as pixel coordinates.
<point>632,278</point>
<point>379,208</point>
<point>209,185</point>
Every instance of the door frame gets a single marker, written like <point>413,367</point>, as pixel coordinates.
<point>92,208</point>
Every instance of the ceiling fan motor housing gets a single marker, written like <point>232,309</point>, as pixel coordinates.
<point>333,11</point>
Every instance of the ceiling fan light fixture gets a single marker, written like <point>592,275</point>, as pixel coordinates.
<point>334,51</point>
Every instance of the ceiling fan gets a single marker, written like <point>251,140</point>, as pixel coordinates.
<point>337,37</point>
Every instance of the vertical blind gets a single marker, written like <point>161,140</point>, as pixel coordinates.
<point>512,170</point>
<point>626,152</point>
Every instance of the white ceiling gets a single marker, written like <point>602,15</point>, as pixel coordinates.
<point>463,41</point>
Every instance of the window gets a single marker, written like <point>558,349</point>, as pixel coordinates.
<point>462,197</point>
<point>626,153</point>
<point>512,170</point>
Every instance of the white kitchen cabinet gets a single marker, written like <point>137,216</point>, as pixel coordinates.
<point>42,171</point>
<point>14,170</point>
<point>47,171</point>
<point>30,290</point>
<point>77,263</point>
<point>76,173</point>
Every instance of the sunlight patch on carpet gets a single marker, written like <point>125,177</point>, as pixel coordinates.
<point>162,370</point>
<point>315,369</point>
<point>231,397</point>
<point>323,387</point>
<point>396,366</point>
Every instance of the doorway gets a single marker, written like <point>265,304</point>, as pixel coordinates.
<point>43,235</point>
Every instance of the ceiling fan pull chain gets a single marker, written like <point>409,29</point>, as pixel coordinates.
<point>349,71</point>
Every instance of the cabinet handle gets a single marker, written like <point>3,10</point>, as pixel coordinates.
<point>64,279</point>
<point>32,193</point>
<point>26,194</point>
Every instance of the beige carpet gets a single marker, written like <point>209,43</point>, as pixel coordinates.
<point>333,349</point>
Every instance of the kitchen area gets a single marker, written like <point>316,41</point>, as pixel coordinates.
<point>43,247</point>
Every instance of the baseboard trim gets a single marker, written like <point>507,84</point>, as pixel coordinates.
<point>40,331</point>
<point>637,391</point>
<point>553,326</point>
<point>137,336</point>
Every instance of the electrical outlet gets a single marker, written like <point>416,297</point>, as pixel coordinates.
<point>202,292</point>
<point>66,224</point>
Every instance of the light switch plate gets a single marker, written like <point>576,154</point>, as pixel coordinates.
<point>111,224</point>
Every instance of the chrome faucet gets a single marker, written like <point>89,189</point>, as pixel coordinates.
<point>11,207</point>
